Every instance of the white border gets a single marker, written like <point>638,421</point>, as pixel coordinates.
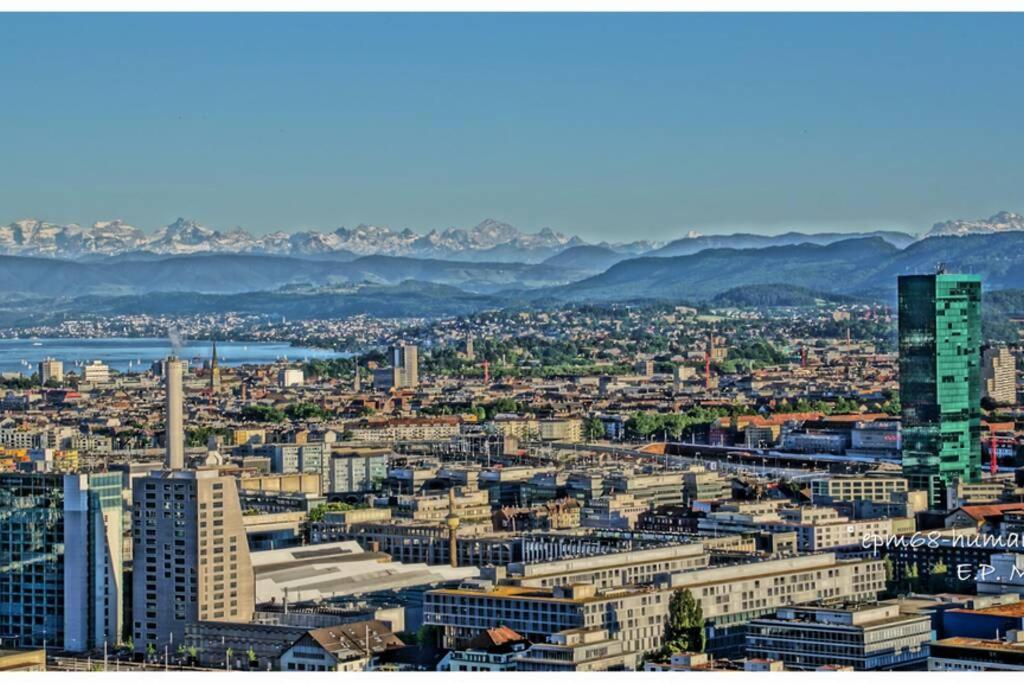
<point>513,6</point>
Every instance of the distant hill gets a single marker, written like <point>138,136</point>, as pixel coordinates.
<point>865,267</point>
<point>703,275</point>
<point>595,259</point>
<point>693,245</point>
<point>235,273</point>
<point>776,295</point>
<point>409,299</point>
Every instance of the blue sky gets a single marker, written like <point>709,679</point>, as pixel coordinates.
<point>614,127</point>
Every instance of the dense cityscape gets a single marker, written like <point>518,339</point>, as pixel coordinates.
<point>644,487</point>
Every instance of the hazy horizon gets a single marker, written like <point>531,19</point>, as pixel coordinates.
<point>613,127</point>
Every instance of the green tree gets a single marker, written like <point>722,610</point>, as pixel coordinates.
<point>913,578</point>
<point>260,412</point>
<point>684,628</point>
<point>593,429</point>
<point>937,578</point>
<point>306,411</point>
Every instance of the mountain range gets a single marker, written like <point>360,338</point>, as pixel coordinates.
<point>121,269</point>
<point>490,241</point>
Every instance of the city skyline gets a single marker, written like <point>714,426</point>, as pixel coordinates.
<point>596,125</point>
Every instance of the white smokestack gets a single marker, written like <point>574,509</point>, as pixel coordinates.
<point>175,434</point>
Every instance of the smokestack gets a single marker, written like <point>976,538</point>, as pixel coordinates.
<point>174,436</point>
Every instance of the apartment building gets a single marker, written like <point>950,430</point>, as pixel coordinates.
<point>191,557</point>
<point>649,489</point>
<point>730,597</point>
<point>866,637</point>
<point>837,488</point>
<point>978,654</point>
<point>565,429</point>
<point>438,428</point>
<point>357,471</point>
<point>611,570</point>
<point>999,375</point>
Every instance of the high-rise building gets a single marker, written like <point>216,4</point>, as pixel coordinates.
<point>470,352</point>
<point>174,435</point>
<point>96,372</point>
<point>61,560</point>
<point>190,555</point>
<point>406,364</point>
<point>404,371</point>
<point>999,375</point>
<point>940,392</point>
<point>51,369</point>
<point>290,377</point>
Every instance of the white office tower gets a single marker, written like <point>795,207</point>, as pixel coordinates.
<point>175,434</point>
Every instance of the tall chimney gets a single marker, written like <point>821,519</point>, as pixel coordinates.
<point>174,436</point>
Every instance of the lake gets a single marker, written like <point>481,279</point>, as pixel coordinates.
<point>136,355</point>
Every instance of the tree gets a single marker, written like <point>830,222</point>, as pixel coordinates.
<point>684,628</point>
<point>426,636</point>
<point>150,651</point>
<point>253,659</point>
<point>890,570</point>
<point>260,412</point>
<point>913,578</point>
<point>593,429</point>
<point>937,578</point>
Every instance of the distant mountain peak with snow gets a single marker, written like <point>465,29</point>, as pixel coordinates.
<point>1001,222</point>
<point>490,239</point>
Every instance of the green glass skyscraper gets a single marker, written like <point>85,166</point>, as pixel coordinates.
<point>940,386</point>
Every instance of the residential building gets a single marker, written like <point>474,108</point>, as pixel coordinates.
<point>51,370</point>
<point>404,371</point>
<point>290,377</point>
<point>357,471</point>
<point>978,654</point>
<point>836,488</point>
<point>344,647</point>
<point>96,372</point>
<point>191,557</point>
<point>866,637</point>
<point>999,375</point>
<point>495,649</point>
<point>730,596</point>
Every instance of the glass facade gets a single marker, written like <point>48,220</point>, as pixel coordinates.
<point>940,389</point>
<point>31,560</point>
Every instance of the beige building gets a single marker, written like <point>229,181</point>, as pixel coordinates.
<point>404,429</point>
<point>191,557</point>
<point>561,429</point>
<point>999,375</point>
<point>96,372</point>
<point>730,597</point>
<point>50,368</point>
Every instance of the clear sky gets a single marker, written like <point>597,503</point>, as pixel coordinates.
<point>614,127</point>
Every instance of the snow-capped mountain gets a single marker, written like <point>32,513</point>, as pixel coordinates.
<point>37,238</point>
<point>1001,222</point>
<point>489,240</point>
